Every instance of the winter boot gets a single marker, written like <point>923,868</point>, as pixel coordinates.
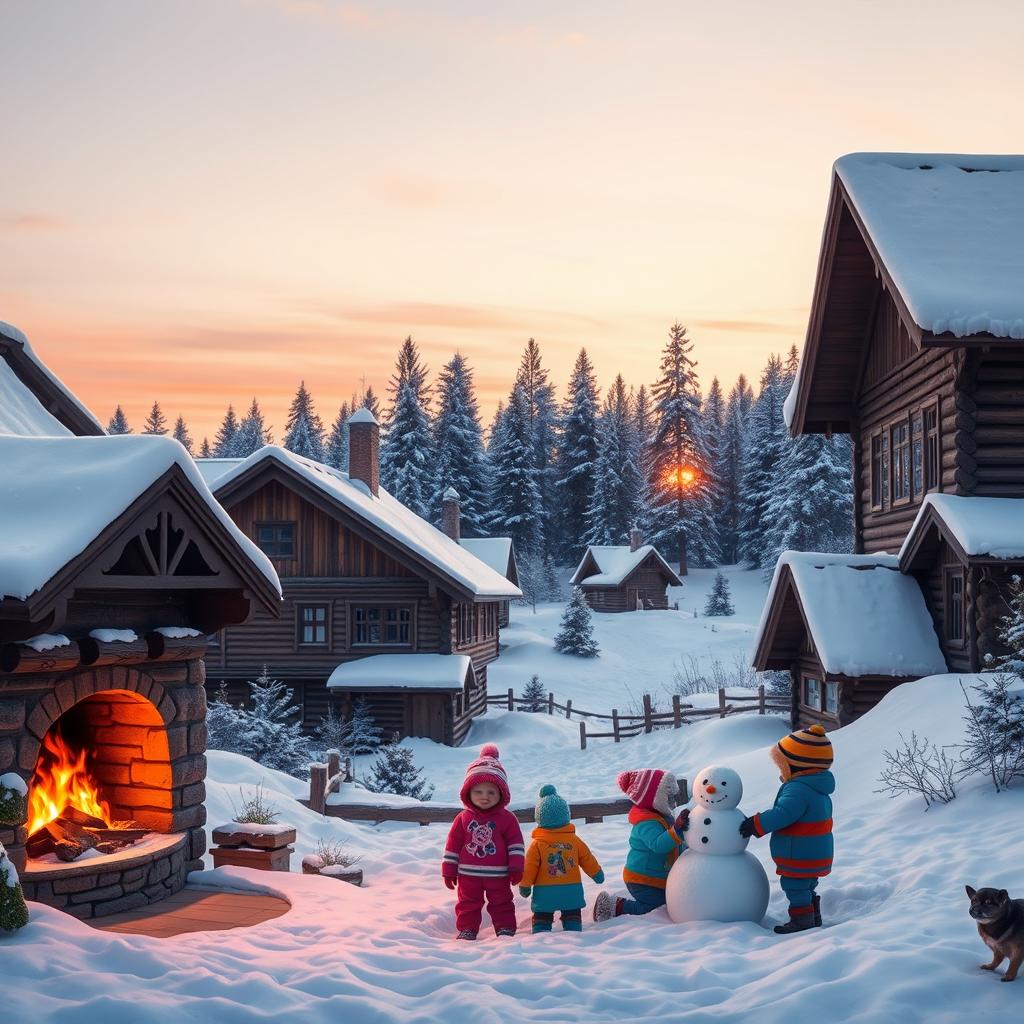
<point>817,911</point>
<point>800,920</point>
<point>607,906</point>
<point>466,933</point>
<point>505,932</point>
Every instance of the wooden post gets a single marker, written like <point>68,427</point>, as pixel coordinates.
<point>350,775</point>
<point>551,703</point>
<point>721,702</point>
<point>511,700</point>
<point>333,764</point>
<point>568,708</point>
<point>677,712</point>
<point>760,699</point>
<point>318,788</point>
<point>615,723</point>
<point>648,711</point>
<point>583,734</point>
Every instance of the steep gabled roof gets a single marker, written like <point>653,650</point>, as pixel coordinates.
<point>941,235</point>
<point>864,617</point>
<point>612,565</point>
<point>385,519</point>
<point>497,552</point>
<point>979,529</point>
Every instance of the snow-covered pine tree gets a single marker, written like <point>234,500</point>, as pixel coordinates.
<point>576,630</point>
<point>531,578</point>
<point>406,447</point>
<point>734,433</point>
<point>713,427</point>
<point>270,728</point>
<point>156,422</point>
<point>118,423</point>
<point>369,401</point>
<point>304,431</point>
<point>542,416</point>
<point>204,450</point>
<point>13,908</point>
<point>643,420</point>
<point>253,432</point>
<point>515,498</point>
<point>552,586</point>
<point>364,732</point>
<point>181,434</point>
<point>718,602</point>
<point>1011,632</point>
<point>224,443</point>
<point>394,771</point>
<point>222,721</point>
<point>459,457</point>
<point>333,732</point>
<point>534,698</point>
<point>682,488</point>
<point>336,449</point>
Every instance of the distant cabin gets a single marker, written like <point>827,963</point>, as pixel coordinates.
<point>915,347</point>
<point>625,578</point>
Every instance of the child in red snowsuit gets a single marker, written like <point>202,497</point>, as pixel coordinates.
<point>484,853</point>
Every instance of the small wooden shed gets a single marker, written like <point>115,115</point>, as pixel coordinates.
<point>625,578</point>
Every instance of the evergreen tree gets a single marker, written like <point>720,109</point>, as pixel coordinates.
<point>534,697</point>
<point>682,488</point>
<point>718,602</point>
<point>552,585</point>
<point>1011,632</point>
<point>333,732</point>
<point>713,426</point>
<point>13,908</point>
<point>224,443</point>
<point>253,432</point>
<point>156,422</point>
<point>577,457</point>
<point>643,427</point>
<point>270,728</point>
<point>459,457</point>
<point>336,451</point>
<point>394,771</point>
<point>406,449</point>
<point>369,401</point>
<point>118,423</point>
<point>731,461</point>
<point>576,632</point>
<point>304,431</point>
<point>181,434</point>
<point>222,721</point>
<point>204,450</point>
<point>364,731</point>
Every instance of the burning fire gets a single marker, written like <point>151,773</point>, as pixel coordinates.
<point>61,780</point>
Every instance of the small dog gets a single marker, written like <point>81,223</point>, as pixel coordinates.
<point>1001,927</point>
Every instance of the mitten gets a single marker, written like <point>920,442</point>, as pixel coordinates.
<point>747,828</point>
<point>524,890</point>
<point>599,878</point>
<point>450,882</point>
<point>515,877</point>
<point>682,822</point>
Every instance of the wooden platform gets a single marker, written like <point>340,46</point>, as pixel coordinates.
<point>195,909</point>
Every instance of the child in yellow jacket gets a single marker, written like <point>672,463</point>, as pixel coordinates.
<point>553,864</point>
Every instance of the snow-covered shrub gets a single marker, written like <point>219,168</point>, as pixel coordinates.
<point>269,729</point>
<point>394,771</point>
<point>534,697</point>
<point>994,744</point>
<point>256,808</point>
<point>364,733</point>
<point>689,678</point>
<point>1011,632</point>
<point>13,799</point>
<point>718,602</point>
<point>919,766</point>
<point>334,851</point>
<point>576,634</point>
<point>222,721</point>
<point>13,909</point>
<point>333,733</point>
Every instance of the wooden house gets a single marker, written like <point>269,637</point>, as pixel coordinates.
<point>621,578</point>
<point>363,576</point>
<point>914,347</point>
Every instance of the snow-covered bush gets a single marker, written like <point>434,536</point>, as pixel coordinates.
<point>333,733</point>
<point>1011,631</point>
<point>576,634</point>
<point>394,771</point>
<point>364,735</point>
<point>994,744</point>
<point>256,808</point>
<point>334,851</point>
<point>13,799</point>
<point>13,909</point>
<point>718,602</point>
<point>919,766</point>
<point>222,721</point>
<point>269,729</point>
<point>534,697</point>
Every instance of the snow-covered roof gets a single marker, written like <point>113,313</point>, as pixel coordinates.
<point>616,562</point>
<point>20,411</point>
<point>992,527</point>
<point>388,515</point>
<point>12,332</point>
<point>948,229</point>
<point>402,671</point>
<point>211,470</point>
<point>58,494</point>
<point>494,552</point>
<point>864,616</point>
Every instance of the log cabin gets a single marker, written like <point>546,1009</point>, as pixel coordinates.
<point>915,347</point>
<point>621,578</point>
<point>363,577</point>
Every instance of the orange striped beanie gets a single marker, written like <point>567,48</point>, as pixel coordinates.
<point>807,750</point>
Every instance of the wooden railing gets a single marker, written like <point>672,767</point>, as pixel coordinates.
<point>324,779</point>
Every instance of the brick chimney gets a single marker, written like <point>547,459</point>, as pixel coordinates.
<point>364,449</point>
<point>450,514</point>
<point>635,539</point>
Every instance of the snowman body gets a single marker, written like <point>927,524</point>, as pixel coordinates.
<point>716,878</point>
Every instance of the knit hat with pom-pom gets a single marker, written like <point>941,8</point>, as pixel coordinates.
<point>807,750</point>
<point>650,788</point>
<point>551,811</point>
<point>486,768</point>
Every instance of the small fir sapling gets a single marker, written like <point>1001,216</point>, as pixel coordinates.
<point>994,744</point>
<point>13,800</point>
<point>156,422</point>
<point>222,721</point>
<point>270,728</point>
<point>718,602</point>
<point>364,733</point>
<point>118,423</point>
<point>333,732</point>
<point>394,771</point>
<point>576,634</point>
<point>13,908</point>
<point>534,697</point>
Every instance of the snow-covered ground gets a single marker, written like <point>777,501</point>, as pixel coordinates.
<point>898,944</point>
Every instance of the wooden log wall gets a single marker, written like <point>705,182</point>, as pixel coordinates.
<point>998,396</point>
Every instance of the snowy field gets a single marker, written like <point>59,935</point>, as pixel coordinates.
<point>898,944</point>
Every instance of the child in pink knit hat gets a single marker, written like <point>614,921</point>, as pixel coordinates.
<point>483,857</point>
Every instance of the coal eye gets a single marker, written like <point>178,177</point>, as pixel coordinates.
<point>725,783</point>
<point>705,782</point>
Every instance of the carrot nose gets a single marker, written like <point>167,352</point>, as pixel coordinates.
<point>711,789</point>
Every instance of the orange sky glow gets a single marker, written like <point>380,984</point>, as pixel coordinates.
<point>213,199</point>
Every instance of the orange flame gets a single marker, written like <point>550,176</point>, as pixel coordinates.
<point>680,476</point>
<point>62,779</point>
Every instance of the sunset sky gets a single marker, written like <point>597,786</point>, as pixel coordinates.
<point>205,201</point>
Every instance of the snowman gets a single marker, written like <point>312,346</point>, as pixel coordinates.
<point>715,878</point>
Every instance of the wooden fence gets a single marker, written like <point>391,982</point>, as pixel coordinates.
<point>635,725</point>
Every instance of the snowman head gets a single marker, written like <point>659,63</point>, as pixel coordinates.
<point>717,787</point>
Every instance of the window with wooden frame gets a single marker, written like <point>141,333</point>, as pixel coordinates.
<point>312,624</point>
<point>900,447</point>
<point>832,698</point>
<point>955,606</point>
<point>880,470</point>
<point>812,692</point>
<point>917,453</point>
<point>381,626</point>
<point>932,448</point>
<point>276,540</point>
